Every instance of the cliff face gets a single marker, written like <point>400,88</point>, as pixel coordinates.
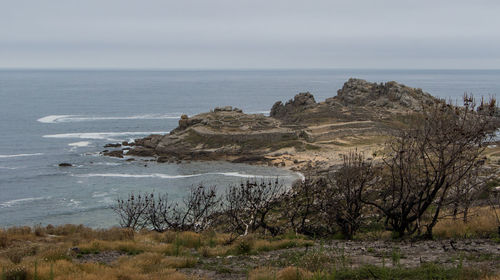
<point>360,111</point>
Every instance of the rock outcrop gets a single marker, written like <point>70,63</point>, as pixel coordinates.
<point>225,133</point>
<point>390,95</point>
<point>361,112</point>
<point>298,104</point>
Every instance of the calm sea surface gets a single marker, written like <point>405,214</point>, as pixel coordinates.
<point>49,117</point>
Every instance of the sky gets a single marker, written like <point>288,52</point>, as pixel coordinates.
<point>250,34</point>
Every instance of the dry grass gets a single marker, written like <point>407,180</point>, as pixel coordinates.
<point>262,273</point>
<point>294,273</point>
<point>67,270</point>
<point>267,245</point>
<point>288,273</point>
<point>74,252</point>
<point>495,277</point>
<point>482,222</point>
<point>154,262</point>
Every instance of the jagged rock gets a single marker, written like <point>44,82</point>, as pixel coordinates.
<point>356,92</point>
<point>163,159</point>
<point>300,102</point>
<point>141,152</point>
<point>116,153</point>
<point>125,143</point>
<point>149,142</point>
<point>112,145</point>
<point>223,109</point>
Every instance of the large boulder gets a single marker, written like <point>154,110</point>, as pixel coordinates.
<point>299,103</point>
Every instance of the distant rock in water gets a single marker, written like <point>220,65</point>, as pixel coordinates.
<point>112,145</point>
<point>65,164</point>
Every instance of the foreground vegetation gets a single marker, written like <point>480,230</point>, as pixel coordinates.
<point>78,252</point>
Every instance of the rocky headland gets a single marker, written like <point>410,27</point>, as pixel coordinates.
<point>299,134</point>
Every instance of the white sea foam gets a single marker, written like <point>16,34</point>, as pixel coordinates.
<point>80,144</point>
<point>53,118</point>
<point>99,194</point>
<point>84,118</point>
<point>108,163</point>
<point>166,176</point>
<point>73,203</point>
<point>20,155</point>
<point>20,201</point>
<point>8,168</point>
<point>101,135</point>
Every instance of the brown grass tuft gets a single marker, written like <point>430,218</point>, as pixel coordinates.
<point>482,222</point>
<point>294,273</point>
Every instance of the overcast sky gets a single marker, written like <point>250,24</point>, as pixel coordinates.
<point>223,34</point>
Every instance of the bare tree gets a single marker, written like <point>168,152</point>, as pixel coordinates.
<point>302,206</point>
<point>196,213</point>
<point>132,211</point>
<point>159,213</point>
<point>463,194</point>
<point>494,201</point>
<point>344,189</point>
<point>424,162</point>
<point>249,204</point>
<point>198,210</point>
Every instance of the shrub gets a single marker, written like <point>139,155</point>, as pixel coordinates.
<point>244,246</point>
<point>262,273</point>
<point>39,231</point>
<point>16,254</point>
<point>15,273</point>
<point>293,273</point>
<point>54,253</point>
<point>4,239</point>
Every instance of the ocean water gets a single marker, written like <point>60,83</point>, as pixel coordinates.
<point>49,117</point>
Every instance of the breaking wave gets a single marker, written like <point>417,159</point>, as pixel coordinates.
<point>20,201</point>
<point>20,155</point>
<point>166,176</point>
<point>101,135</point>
<point>80,144</point>
<point>83,118</point>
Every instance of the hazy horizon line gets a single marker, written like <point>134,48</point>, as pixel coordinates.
<point>232,69</point>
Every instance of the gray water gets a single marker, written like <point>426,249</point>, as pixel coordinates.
<point>49,117</point>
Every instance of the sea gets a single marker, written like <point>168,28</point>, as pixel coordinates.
<point>49,117</point>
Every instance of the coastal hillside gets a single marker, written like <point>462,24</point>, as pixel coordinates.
<point>297,134</point>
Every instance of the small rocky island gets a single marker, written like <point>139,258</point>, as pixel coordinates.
<point>299,134</point>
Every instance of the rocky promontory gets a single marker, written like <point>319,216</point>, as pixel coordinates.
<point>297,133</point>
